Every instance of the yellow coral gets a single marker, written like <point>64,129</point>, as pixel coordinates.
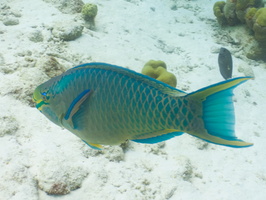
<point>260,17</point>
<point>260,27</point>
<point>250,13</point>
<point>89,11</point>
<point>158,70</point>
<point>219,13</point>
<point>244,4</point>
<point>249,17</point>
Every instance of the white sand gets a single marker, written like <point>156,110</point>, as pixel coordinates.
<point>37,157</point>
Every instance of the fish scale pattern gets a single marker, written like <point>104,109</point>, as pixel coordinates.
<point>120,106</point>
<point>124,108</point>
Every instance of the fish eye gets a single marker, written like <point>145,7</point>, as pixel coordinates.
<point>45,96</point>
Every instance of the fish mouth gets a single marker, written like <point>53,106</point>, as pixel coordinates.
<point>40,104</point>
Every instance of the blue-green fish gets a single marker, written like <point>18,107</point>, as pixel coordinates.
<point>105,104</point>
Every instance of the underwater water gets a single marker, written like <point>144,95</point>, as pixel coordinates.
<point>40,160</point>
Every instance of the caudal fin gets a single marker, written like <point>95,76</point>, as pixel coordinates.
<point>218,113</point>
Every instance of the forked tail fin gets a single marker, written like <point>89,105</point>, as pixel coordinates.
<point>218,113</point>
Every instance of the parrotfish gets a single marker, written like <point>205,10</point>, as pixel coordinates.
<point>105,104</point>
<point>225,63</point>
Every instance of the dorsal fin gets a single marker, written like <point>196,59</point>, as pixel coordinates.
<point>163,87</point>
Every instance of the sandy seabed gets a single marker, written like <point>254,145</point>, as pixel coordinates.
<point>39,160</point>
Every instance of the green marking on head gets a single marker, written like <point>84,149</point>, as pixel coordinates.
<point>40,98</point>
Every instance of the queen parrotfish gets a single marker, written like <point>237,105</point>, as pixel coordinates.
<point>105,104</point>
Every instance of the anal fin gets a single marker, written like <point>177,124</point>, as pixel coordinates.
<point>94,146</point>
<point>158,136</point>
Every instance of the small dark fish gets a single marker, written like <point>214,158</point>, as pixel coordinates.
<point>225,63</point>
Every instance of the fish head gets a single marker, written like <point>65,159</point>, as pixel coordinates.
<point>44,99</point>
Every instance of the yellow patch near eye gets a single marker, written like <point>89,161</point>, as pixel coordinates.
<point>38,101</point>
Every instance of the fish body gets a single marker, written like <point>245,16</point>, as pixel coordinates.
<point>105,104</point>
<point>225,63</point>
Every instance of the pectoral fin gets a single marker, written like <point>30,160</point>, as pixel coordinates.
<point>75,106</point>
